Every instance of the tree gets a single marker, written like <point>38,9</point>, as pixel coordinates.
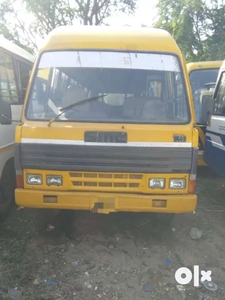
<point>45,15</point>
<point>13,27</point>
<point>185,20</point>
<point>215,43</point>
<point>198,27</point>
<point>95,12</point>
<point>49,14</point>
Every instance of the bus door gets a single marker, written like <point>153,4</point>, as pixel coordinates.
<point>214,154</point>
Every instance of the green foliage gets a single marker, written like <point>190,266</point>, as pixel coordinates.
<point>14,28</point>
<point>197,27</point>
<point>215,43</point>
<point>95,12</point>
<point>22,21</point>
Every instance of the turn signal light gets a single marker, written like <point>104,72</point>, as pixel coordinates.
<point>192,184</point>
<point>19,179</point>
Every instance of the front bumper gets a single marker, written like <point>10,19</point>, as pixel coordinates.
<point>106,202</point>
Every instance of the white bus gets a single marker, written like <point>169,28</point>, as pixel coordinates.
<point>15,67</point>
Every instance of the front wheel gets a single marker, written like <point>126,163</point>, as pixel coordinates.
<point>7,188</point>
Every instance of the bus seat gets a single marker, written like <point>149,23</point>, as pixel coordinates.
<point>97,110</point>
<point>154,109</point>
<point>98,106</point>
<point>129,107</point>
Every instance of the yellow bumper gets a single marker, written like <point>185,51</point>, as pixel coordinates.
<point>106,202</point>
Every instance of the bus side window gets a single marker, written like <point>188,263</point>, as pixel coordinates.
<point>8,87</point>
<point>24,75</point>
<point>219,107</point>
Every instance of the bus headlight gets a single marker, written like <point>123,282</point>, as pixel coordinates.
<point>34,179</point>
<point>54,180</point>
<point>177,184</point>
<point>157,183</point>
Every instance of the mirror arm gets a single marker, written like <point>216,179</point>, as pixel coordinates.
<point>10,119</point>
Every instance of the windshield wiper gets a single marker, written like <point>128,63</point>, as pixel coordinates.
<point>81,102</point>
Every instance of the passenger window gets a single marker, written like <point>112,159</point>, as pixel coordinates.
<point>219,106</point>
<point>24,75</point>
<point>8,87</point>
<point>155,89</point>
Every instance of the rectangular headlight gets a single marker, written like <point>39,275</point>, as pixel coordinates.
<point>54,180</point>
<point>177,184</point>
<point>34,179</point>
<point>157,183</point>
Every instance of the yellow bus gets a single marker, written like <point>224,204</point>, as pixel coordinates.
<point>112,126</point>
<point>203,76</point>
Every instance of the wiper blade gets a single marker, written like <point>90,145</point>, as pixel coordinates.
<point>81,102</point>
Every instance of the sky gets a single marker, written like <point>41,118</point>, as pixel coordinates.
<point>145,15</point>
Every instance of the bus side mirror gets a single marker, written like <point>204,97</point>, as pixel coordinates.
<point>207,104</point>
<point>5,113</point>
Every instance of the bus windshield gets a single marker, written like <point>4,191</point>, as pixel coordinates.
<point>140,88</point>
<point>202,80</point>
<point>199,78</point>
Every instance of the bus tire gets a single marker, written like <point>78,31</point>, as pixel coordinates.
<point>7,188</point>
<point>165,218</point>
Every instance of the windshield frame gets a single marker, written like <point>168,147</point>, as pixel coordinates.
<point>188,102</point>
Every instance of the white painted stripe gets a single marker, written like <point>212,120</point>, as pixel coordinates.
<point>129,144</point>
<point>216,141</point>
<point>5,146</point>
<point>218,118</point>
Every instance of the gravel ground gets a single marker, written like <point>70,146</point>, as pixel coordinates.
<point>117,256</point>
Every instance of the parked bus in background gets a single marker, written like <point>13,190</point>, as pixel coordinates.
<point>15,66</point>
<point>214,154</point>
<point>108,124</point>
<point>203,77</point>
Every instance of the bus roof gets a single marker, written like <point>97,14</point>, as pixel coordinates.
<point>13,48</point>
<point>113,38</point>
<point>204,65</point>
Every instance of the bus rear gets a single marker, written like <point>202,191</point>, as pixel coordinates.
<point>110,126</point>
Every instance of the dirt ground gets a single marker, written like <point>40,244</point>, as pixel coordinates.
<point>116,256</point>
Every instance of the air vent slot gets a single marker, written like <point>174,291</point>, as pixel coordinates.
<point>105,137</point>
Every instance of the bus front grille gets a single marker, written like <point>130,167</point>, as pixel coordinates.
<point>106,181</point>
